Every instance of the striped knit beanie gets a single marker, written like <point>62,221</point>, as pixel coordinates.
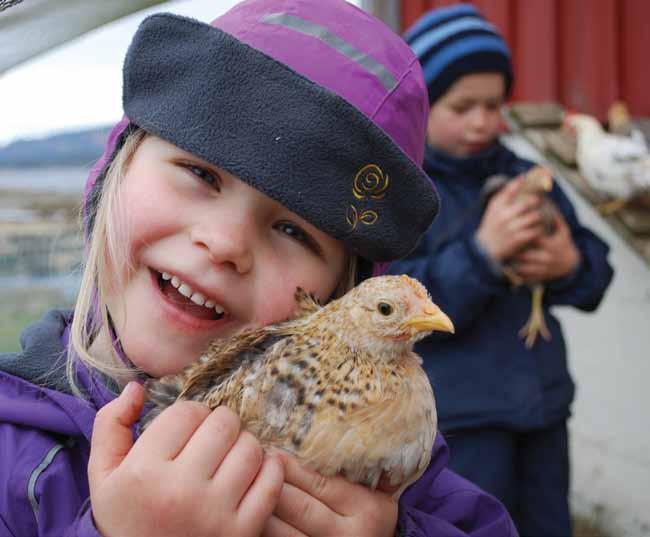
<point>455,41</point>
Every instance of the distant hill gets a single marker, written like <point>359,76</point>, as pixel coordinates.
<point>69,148</point>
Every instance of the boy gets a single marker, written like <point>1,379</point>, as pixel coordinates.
<point>503,407</point>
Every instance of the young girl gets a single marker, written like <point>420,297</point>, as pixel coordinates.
<point>503,407</point>
<point>278,147</point>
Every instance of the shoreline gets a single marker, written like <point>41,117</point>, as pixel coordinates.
<point>28,212</point>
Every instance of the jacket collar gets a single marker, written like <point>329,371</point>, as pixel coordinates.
<point>476,167</point>
<point>38,393</point>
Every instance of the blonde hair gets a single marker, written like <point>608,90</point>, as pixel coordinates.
<point>105,252</point>
<point>349,279</point>
<point>103,276</point>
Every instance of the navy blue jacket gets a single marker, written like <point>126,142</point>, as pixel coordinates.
<point>483,375</point>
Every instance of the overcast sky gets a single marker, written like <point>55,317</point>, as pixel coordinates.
<point>79,84</point>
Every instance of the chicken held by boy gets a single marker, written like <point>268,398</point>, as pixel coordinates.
<point>538,181</point>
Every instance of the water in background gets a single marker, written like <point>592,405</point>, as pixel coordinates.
<point>64,179</point>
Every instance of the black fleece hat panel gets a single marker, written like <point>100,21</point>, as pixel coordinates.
<point>297,142</point>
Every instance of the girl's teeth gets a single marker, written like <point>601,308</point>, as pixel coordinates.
<point>197,298</point>
<point>187,291</point>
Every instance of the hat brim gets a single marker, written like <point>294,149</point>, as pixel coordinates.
<point>299,143</point>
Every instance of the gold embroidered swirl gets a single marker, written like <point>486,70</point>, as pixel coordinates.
<point>352,216</point>
<point>366,217</point>
<point>370,181</point>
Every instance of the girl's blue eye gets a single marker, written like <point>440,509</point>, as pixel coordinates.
<point>298,234</point>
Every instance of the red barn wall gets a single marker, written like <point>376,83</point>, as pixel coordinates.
<point>584,54</point>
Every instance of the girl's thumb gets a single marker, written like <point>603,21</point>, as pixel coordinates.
<point>112,437</point>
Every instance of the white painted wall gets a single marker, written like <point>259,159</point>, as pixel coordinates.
<point>609,357</point>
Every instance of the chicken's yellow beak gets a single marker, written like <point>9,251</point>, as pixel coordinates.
<point>432,319</point>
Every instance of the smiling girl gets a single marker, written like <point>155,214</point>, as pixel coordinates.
<point>279,146</point>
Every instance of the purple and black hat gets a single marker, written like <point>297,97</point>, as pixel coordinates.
<point>315,103</point>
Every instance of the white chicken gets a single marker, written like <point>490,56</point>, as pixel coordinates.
<point>620,122</point>
<point>616,166</point>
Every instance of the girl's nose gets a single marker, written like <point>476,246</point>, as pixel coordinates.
<point>226,243</point>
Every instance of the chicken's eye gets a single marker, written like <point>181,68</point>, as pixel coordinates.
<point>384,308</point>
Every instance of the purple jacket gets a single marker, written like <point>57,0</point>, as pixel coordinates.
<point>45,436</point>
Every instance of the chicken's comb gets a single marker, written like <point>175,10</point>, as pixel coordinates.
<point>568,112</point>
<point>417,287</point>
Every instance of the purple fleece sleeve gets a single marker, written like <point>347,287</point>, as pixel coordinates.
<point>83,526</point>
<point>459,513</point>
<point>43,486</point>
<point>443,504</point>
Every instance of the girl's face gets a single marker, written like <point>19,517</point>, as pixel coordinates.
<point>467,118</point>
<point>228,246</point>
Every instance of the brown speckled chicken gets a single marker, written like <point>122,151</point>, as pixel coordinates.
<point>339,386</point>
<point>538,180</point>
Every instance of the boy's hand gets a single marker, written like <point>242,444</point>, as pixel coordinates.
<point>192,471</point>
<point>510,222</point>
<point>550,256</point>
<point>315,506</point>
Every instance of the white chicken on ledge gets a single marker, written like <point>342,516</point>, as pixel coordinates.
<point>614,165</point>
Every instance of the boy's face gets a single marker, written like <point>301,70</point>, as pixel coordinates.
<point>467,117</point>
<point>227,243</point>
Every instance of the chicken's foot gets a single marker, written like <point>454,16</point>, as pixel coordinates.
<point>536,322</point>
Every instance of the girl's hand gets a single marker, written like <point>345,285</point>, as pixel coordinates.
<point>551,256</point>
<point>509,222</point>
<point>191,472</point>
<point>315,506</point>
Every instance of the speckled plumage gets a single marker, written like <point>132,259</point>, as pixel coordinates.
<point>338,386</point>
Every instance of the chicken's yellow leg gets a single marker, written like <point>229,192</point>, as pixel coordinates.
<point>514,278</point>
<point>536,323</point>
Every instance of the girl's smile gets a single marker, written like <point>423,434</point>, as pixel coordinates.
<point>195,310</point>
<point>188,298</point>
